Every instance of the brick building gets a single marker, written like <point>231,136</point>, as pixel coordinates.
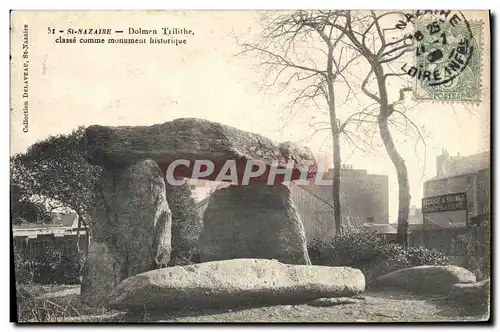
<point>363,197</point>
<point>456,174</point>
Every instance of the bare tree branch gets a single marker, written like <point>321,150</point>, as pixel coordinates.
<point>405,49</point>
<point>282,60</point>
<point>365,90</point>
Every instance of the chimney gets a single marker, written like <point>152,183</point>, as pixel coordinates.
<point>442,163</point>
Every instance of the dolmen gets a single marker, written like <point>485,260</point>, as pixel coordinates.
<point>254,217</point>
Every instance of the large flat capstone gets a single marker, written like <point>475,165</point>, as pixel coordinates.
<point>234,283</point>
<point>196,139</point>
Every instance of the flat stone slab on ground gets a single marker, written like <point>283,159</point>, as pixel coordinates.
<point>234,283</point>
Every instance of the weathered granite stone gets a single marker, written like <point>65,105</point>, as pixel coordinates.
<point>186,225</point>
<point>255,221</point>
<point>428,278</point>
<point>472,294</point>
<point>132,221</point>
<point>100,275</point>
<point>234,283</point>
<point>193,139</point>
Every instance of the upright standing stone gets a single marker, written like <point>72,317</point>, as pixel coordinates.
<point>132,228</point>
<point>99,276</point>
<point>254,221</point>
<point>186,224</point>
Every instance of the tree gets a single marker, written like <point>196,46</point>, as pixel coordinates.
<point>56,171</point>
<point>303,55</point>
<point>368,36</point>
<point>23,208</point>
<point>23,211</point>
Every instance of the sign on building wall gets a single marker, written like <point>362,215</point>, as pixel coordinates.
<point>444,206</point>
<point>442,203</point>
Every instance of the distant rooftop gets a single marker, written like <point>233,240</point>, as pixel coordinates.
<point>59,221</point>
<point>41,230</point>
<point>449,166</point>
<point>380,228</point>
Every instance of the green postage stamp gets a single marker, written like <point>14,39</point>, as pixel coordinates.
<point>448,58</point>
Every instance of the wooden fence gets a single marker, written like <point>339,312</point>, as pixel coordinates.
<point>49,258</point>
<point>33,246</point>
<point>454,241</point>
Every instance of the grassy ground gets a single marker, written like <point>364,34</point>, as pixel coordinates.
<point>61,304</point>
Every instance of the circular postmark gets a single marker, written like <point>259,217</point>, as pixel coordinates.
<point>444,46</point>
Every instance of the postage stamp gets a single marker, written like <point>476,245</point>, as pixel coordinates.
<point>448,58</point>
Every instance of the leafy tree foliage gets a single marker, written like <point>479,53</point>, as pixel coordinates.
<point>56,170</point>
<point>23,207</point>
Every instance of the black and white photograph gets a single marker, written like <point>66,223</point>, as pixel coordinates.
<point>250,166</point>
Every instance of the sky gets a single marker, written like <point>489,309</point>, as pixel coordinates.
<point>84,84</point>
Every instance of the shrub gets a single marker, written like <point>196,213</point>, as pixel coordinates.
<point>424,256</point>
<point>478,259</point>
<point>61,265</point>
<point>22,267</point>
<point>346,248</point>
<point>33,307</point>
<point>71,264</point>
<point>373,254</point>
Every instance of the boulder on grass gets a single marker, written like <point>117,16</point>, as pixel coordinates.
<point>254,221</point>
<point>473,294</point>
<point>234,283</point>
<point>427,278</point>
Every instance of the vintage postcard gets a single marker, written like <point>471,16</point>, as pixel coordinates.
<point>250,166</point>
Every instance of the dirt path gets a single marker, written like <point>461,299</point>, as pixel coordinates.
<point>387,306</point>
<point>63,290</point>
<point>372,306</point>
